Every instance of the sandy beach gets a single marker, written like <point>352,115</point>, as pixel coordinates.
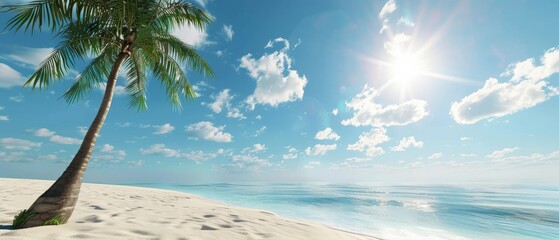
<point>121,212</point>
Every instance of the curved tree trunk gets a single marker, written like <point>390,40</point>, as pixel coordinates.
<point>57,203</point>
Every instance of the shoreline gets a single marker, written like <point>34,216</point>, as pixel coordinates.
<point>131,212</point>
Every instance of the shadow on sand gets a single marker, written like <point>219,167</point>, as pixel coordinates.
<point>2,227</point>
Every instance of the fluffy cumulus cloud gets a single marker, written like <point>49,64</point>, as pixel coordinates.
<point>19,144</point>
<point>222,101</point>
<point>109,153</point>
<point>160,149</point>
<point>228,31</point>
<point>327,134</point>
<point>53,137</point>
<point>526,88</point>
<point>335,112</point>
<point>4,118</point>
<point>369,113</point>
<point>10,77</point>
<point>207,131</point>
<point>398,44</point>
<point>406,143</point>
<point>502,153</point>
<point>191,35</point>
<point>496,99</point>
<point>291,154</point>
<point>276,82</point>
<point>320,149</point>
<point>163,129</point>
<point>368,142</point>
<point>255,148</point>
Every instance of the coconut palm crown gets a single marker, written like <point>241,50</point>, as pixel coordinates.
<point>112,33</point>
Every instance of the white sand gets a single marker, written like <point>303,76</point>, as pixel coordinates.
<point>119,212</point>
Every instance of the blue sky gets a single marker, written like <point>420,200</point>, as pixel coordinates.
<point>327,91</point>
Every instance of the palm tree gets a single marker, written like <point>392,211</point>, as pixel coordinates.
<point>133,34</point>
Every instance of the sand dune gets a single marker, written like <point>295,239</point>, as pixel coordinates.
<point>120,212</point>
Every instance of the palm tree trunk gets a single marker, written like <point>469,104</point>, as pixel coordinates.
<point>58,202</point>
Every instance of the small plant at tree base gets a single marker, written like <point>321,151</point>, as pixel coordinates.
<point>55,221</point>
<point>21,218</point>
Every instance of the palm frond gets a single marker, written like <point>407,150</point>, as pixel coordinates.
<point>183,52</point>
<point>78,44</point>
<point>96,72</point>
<point>137,81</point>
<point>172,77</point>
<point>34,14</point>
<point>177,13</point>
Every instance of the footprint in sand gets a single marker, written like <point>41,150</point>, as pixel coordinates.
<point>204,227</point>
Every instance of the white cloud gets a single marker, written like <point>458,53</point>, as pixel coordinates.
<point>107,148</point>
<point>435,156</point>
<point>15,143</point>
<point>119,90</point>
<point>17,99</point>
<point>312,164</point>
<point>526,88</point>
<point>327,134</point>
<point>527,70</point>
<point>406,143</point>
<point>501,153</point>
<point>335,112</point>
<point>4,118</point>
<point>368,142</point>
<point>398,44</point>
<point>465,139</point>
<point>228,30</point>
<point>207,131</point>
<point>235,113</point>
<point>44,132</point>
<point>31,56</point>
<point>254,148</point>
<point>64,140</point>
<point>109,153</point>
<point>160,149</point>
<point>369,113</point>
<point>276,82</point>
<point>222,100</point>
<point>320,149</point>
<point>388,8</point>
<point>197,156</point>
<point>244,160</point>
<point>291,154</point>
<point>496,100</point>
<point>191,35</point>
<point>163,129</point>
<point>10,77</point>
<point>200,156</point>
<point>83,130</point>
<point>260,131</point>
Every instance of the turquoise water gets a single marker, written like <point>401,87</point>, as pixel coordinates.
<point>402,212</point>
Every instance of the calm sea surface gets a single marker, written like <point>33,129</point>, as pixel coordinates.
<point>402,212</point>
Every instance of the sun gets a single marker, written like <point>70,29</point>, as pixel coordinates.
<point>406,68</point>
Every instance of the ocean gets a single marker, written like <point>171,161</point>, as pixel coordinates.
<point>402,212</point>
